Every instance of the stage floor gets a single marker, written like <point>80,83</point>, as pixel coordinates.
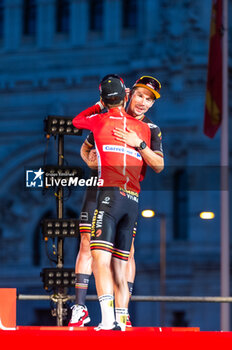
<point>136,338</point>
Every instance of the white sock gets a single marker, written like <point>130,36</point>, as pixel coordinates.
<point>121,316</point>
<point>107,310</point>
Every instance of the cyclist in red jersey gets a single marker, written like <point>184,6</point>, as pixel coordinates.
<point>119,164</point>
<point>120,169</point>
<point>144,92</point>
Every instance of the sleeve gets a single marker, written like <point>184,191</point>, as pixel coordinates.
<point>156,140</point>
<point>144,167</point>
<point>90,139</point>
<point>85,119</point>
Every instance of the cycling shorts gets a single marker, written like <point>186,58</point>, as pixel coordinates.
<point>114,221</point>
<point>87,211</point>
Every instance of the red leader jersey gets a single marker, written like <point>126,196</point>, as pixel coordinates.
<point>119,165</point>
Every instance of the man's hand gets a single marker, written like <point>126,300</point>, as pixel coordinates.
<point>92,159</point>
<point>128,136</point>
<point>89,155</point>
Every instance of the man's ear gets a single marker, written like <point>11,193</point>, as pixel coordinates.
<point>153,102</point>
<point>125,101</point>
<point>102,102</point>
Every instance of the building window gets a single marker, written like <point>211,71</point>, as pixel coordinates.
<point>129,13</point>
<point>29,17</point>
<point>1,18</point>
<point>96,15</point>
<point>62,16</point>
<point>180,205</point>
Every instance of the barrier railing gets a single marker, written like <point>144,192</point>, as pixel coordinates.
<point>206,299</point>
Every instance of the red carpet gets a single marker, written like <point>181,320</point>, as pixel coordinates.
<point>25,338</point>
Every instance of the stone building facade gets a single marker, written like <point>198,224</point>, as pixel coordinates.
<point>53,54</point>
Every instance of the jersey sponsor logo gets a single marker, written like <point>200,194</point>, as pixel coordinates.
<point>133,193</point>
<point>133,198</point>
<point>98,232</point>
<point>123,193</point>
<point>152,126</point>
<point>122,150</point>
<point>106,200</point>
<point>99,219</point>
<point>94,223</point>
<point>84,216</point>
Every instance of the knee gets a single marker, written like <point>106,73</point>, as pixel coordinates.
<point>100,261</point>
<point>85,246</point>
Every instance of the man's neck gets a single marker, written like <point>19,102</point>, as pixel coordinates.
<point>139,117</point>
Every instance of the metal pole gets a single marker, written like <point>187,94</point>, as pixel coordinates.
<point>137,298</point>
<point>60,204</point>
<point>162,265</point>
<point>225,240</point>
<point>60,245</point>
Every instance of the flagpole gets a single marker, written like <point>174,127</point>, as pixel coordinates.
<point>225,240</point>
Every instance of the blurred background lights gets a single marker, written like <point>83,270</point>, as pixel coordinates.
<point>148,213</point>
<point>207,215</point>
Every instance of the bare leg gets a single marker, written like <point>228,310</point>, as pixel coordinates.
<point>84,257</point>
<point>102,272</point>
<point>104,285</point>
<point>131,267</point>
<point>119,268</point>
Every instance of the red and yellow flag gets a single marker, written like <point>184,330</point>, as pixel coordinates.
<point>213,105</point>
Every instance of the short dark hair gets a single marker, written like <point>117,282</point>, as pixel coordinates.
<point>118,104</point>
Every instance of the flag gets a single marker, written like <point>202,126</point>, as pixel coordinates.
<point>213,103</point>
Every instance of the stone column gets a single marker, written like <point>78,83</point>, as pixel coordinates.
<point>46,12</point>
<point>13,25</point>
<point>112,21</point>
<point>79,22</point>
<point>151,25</point>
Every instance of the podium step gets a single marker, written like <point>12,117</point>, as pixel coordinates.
<point>138,338</point>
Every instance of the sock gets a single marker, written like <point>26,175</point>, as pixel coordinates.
<point>107,310</point>
<point>130,286</point>
<point>81,286</point>
<point>121,317</point>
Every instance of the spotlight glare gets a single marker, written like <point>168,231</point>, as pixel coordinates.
<point>148,213</point>
<point>207,215</point>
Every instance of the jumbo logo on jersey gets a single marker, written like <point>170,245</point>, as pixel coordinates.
<point>98,232</point>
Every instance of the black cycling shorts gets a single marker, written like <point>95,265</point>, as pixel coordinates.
<point>114,221</point>
<point>87,211</point>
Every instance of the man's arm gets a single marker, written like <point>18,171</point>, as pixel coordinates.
<point>83,120</point>
<point>153,159</point>
<point>88,154</point>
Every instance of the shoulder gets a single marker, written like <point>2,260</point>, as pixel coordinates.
<point>150,123</point>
